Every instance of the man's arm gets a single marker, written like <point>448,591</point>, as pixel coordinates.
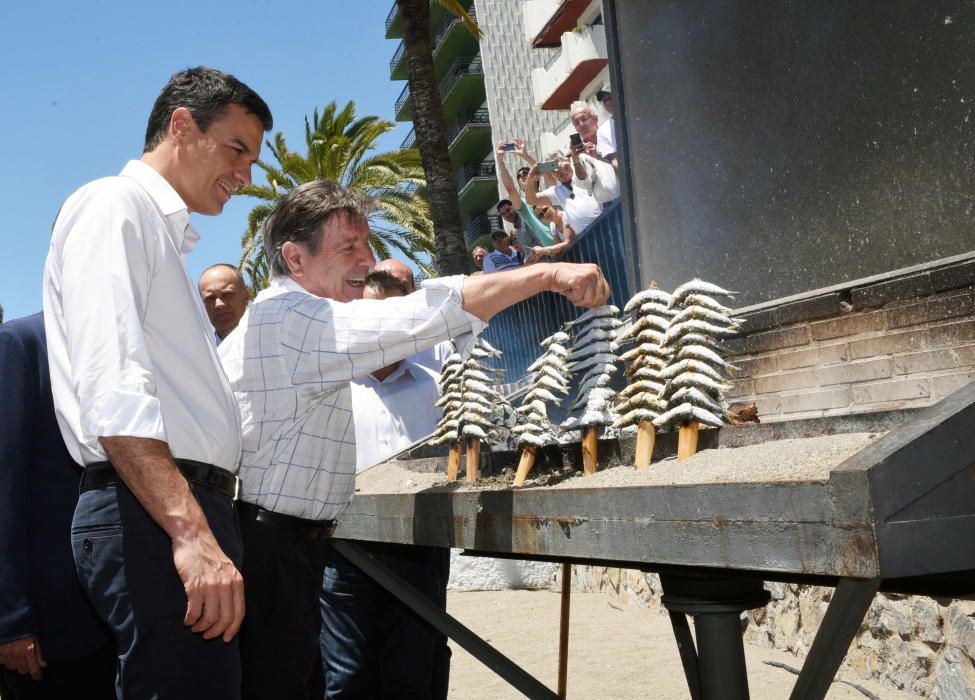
<point>214,588</point>
<point>523,153</point>
<point>114,376</point>
<point>531,193</point>
<point>506,180</point>
<point>582,284</point>
<point>19,648</point>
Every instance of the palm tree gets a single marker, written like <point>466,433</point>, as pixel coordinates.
<point>338,148</point>
<point>431,131</point>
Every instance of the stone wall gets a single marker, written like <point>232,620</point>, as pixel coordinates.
<point>918,645</point>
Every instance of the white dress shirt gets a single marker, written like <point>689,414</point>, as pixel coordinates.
<point>393,413</point>
<point>131,349</point>
<point>290,361</point>
<point>579,207</point>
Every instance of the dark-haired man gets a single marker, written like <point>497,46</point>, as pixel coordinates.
<point>225,297</point>
<point>290,370</point>
<point>140,397</point>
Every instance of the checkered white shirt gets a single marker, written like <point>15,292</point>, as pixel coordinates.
<point>290,362</point>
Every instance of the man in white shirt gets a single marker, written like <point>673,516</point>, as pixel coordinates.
<point>140,397</point>
<point>372,645</point>
<point>289,363</point>
<point>225,297</point>
<point>579,206</point>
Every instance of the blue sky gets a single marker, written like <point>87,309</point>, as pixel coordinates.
<point>80,78</point>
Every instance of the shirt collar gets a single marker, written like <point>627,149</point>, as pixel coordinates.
<point>405,370</point>
<point>168,200</point>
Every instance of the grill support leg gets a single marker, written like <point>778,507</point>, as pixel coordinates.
<point>444,623</point>
<point>845,612</point>
<point>717,668</point>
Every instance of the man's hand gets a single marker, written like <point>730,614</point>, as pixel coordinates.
<point>590,149</point>
<point>582,284</point>
<point>23,656</point>
<point>520,150</point>
<point>499,149</point>
<point>214,588</point>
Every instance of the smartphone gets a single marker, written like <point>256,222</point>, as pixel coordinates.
<point>575,140</point>
<point>548,166</point>
<point>507,147</point>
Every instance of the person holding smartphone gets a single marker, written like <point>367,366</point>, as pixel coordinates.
<point>580,207</point>
<point>529,231</point>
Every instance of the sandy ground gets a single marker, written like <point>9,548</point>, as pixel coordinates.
<point>615,651</point>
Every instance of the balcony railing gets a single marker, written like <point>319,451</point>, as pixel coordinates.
<point>391,17</point>
<point>410,140</point>
<point>482,226</point>
<point>475,170</point>
<point>445,26</point>
<point>461,67</point>
<point>519,329</point>
<point>401,100</point>
<point>480,117</point>
<point>394,61</point>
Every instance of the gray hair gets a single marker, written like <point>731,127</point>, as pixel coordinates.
<point>233,268</point>
<point>579,106</point>
<point>555,155</point>
<point>301,215</point>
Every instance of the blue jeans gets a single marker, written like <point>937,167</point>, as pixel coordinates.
<point>125,564</point>
<point>372,645</point>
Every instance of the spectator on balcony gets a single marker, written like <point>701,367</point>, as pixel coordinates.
<point>516,210</point>
<point>594,175</point>
<point>579,206</point>
<point>586,122</point>
<point>606,133</point>
<point>479,253</point>
<point>504,255</point>
<point>562,235</point>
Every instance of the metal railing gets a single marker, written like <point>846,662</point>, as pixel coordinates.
<point>401,100</point>
<point>410,140</point>
<point>519,329</point>
<point>461,67</point>
<point>394,61</point>
<point>475,170</point>
<point>481,226</point>
<point>479,117</point>
<point>448,22</point>
<point>391,17</point>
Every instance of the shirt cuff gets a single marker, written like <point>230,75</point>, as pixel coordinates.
<point>454,284</point>
<point>122,413</point>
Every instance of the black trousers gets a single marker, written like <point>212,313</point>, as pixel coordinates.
<point>279,650</point>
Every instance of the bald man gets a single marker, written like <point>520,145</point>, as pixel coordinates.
<point>373,646</point>
<point>224,296</point>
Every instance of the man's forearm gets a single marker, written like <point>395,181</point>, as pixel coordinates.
<point>147,468</point>
<point>582,284</point>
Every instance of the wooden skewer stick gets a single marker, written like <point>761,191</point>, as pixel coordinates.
<point>526,463</point>
<point>563,672</point>
<point>473,459</point>
<point>590,450</point>
<point>453,462</point>
<point>687,441</point>
<point>646,436</point>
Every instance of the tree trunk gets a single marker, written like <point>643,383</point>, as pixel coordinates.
<point>431,139</point>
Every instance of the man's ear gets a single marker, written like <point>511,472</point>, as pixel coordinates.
<point>294,257</point>
<point>181,124</point>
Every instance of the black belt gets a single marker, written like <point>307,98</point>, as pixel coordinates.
<point>101,474</point>
<point>304,528</point>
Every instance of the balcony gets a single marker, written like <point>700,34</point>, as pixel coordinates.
<point>461,87</point>
<point>481,226</point>
<point>409,141</point>
<point>580,61</point>
<point>394,29</point>
<point>469,138</point>
<point>547,20</point>
<point>403,106</point>
<point>477,187</point>
<point>450,40</point>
